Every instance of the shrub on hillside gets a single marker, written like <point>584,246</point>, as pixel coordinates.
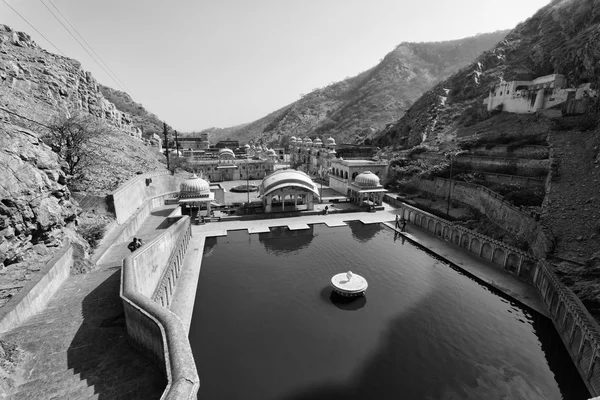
<point>92,231</point>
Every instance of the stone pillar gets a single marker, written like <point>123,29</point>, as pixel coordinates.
<point>268,200</point>
<point>310,202</point>
<point>539,100</point>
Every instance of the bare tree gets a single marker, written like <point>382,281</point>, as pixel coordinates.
<point>68,137</point>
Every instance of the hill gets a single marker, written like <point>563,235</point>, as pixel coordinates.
<point>355,108</point>
<point>141,118</point>
<point>559,38</point>
<point>38,209</point>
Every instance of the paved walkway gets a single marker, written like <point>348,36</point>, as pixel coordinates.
<point>77,347</point>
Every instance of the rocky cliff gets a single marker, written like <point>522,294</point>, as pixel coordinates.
<point>38,84</point>
<point>355,108</point>
<point>38,212</point>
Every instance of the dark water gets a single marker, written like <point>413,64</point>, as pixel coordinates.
<point>266,326</point>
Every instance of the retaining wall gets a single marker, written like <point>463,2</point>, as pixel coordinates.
<point>508,257</point>
<point>148,278</point>
<point>518,166</point>
<point>578,330</point>
<point>520,223</point>
<point>131,195</point>
<point>37,293</point>
<point>504,150</point>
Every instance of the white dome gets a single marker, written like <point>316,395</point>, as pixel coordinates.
<point>367,178</point>
<point>293,139</point>
<point>307,140</point>
<point>271,152</point>
<point>226,152</point>
<point>318,142</point>
<point>194,187</point>
<point>330,141</point>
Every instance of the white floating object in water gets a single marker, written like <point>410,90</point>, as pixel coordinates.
<point>349,284</point>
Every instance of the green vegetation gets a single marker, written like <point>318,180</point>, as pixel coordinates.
<point>142,118</point>
<point>92,230</point>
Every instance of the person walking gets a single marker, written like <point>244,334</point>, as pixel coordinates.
<point>403,226</point>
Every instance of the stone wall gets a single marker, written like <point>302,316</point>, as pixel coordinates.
<point>148,278</point>
<point>503,150</point>
<point>38,292</point>
<point>505,256</point>
<point>520,223</point>
<point>578,330</point>
<point>517,166</point>
<point>125,200</point>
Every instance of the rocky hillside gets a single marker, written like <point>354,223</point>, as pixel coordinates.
<point>37,209</point>
<point>141,118</point>
<point>357,107</point>
<point>559,38</point>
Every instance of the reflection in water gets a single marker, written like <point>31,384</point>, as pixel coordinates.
<point>281,240</point>
<point>363,232</point>
<point>264,319</point>
<point>348,303</point>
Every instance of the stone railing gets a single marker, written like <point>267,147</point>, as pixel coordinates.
<point>508,257</point>
<point>150,274</point>
<point>578,330</point>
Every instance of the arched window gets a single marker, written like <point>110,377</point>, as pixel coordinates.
<point>346,175</point>
<point>354,175</point>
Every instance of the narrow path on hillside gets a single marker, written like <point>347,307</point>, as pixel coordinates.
<point>77,347</point>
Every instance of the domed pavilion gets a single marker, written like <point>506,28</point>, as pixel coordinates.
<point>195,197</point>
<point>288,190</point>
<point>366,189</point>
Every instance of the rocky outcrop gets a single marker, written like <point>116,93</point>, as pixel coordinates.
<point>38,84</point>
<point>37,213</point>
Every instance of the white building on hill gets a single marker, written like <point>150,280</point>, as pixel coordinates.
<point>545,92</point>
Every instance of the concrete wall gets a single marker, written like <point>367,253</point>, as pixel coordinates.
<point>125,200</point>
<point>500,211</point>
<point>512,179</point>
<point>578,330</point>
<point>36,294</point>
<point>525,167</point>
<point>339,185</point>
<point>149,275</point>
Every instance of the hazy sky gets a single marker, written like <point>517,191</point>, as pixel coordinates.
<point>198,64</point>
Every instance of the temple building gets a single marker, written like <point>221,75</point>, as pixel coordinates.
<point>288,190</point>
<point>225,164</point>
<point>314,158</point>
<point>545,92</point>
<point>366,189</point>
<point>344,173</point>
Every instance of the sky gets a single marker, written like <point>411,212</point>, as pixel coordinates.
<point>219,63</point>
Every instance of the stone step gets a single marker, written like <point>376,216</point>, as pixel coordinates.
<point>53,385</point>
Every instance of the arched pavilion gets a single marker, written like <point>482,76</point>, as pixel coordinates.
<point>195,197</point>
<point>288,186</point>
<point>366,188</point>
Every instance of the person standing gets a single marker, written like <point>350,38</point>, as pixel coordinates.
<point>403,226</point>
<point>139,243</point>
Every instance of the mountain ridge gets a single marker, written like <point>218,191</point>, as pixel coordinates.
<point>353,109</point>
